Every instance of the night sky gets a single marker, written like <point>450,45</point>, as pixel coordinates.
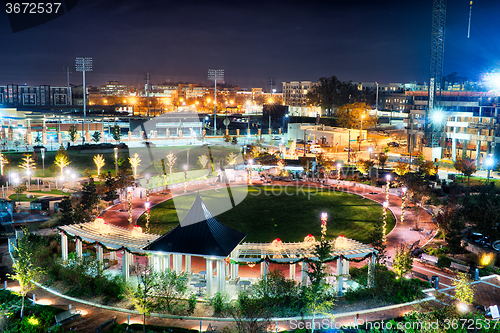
<point>384,41</point>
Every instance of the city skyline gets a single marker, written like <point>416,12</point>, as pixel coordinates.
<point>360,41</point>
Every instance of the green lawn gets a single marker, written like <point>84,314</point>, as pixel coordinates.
<point>22,197</point>
<point>53,192</point>
<point>291,217</point>
<point>81,160</point>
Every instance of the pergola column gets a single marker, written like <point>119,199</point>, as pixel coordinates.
<point>371,272</point>
<point>209,275</point>
<point>112,255</point>
<point>125,265</point>
<point>304,273</point>
<point>79,250</point>
<point>64,246</point>
<point>100,253</point>
<point>346,267</point>
<point>340,279</point>
<point>166,262</point>
<point>234,267</point>
<point>187,269</point>
<point>221,276</point>
<point>177,261</point>
<point>292,272</point>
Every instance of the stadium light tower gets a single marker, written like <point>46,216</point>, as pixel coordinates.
<point>84,65</point>
<point>215,74</point>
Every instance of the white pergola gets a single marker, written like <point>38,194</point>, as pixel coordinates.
<point>108,235</point>
<point>342,247</point>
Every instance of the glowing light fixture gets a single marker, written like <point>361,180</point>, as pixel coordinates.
<point>136,231</point>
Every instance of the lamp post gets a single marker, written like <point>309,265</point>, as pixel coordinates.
<point>384,227</point>
<point>147,204</point>
<point>338,174</point>
<point>116,160</point>
<point>42,150</point>
<point>404,191</point>
<point>324,219</point>
<point>387,186</point>
<point>489,164</point>
<point>129,198</point>
<point>250,162</point>
<point>185,178</point>
<point>360,131</point>
<point>370,149</point>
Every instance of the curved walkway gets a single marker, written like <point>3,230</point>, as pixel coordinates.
<point>96,315</point>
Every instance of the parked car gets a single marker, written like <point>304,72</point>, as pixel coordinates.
<point>393,144</point>
<point>347,149</point>
<point>276,137</point>
<point>315,149</point>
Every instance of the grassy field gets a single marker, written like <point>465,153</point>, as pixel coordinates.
<point>81,160</point>
<point>265,215</point>
<point>22,197</point>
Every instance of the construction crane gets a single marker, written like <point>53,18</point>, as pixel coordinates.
<point>432,129</point>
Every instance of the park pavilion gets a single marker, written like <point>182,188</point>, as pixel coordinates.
<point>201,234</point>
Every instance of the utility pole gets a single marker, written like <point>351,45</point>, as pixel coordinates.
<point>215,74</point>
<point>147,77</point>
<point>84,65</point>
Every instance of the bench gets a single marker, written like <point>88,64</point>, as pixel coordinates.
<point>429,259</point>
<point>459,267</point>
<point>67,315</point>
<point>107,323</point>
<point>235,281</point>
<point>420,275</point>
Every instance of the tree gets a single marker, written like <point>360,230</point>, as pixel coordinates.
<point>464,292</point>
<point>96,136</point>
<point>466,166</point>
<point>482,210</point>
<point>234,141</point>
<point>330,93</point>
<point>28,164</point>
<point>73,133</point>
<point>26,273</point>
<point>382,159</point>
<point>446,215</point>
<point>142,296</point>
<point>376,239</point>
<point>116,132</point>
<point>3,162</point>
<point>20,189</point>
<point>171,287</point>
<point>250,314</point>
<point>66,211</point>
<point>364,166</point>
<point>401,168</point>
<point>61,160</point>
<point>353,114</point>
<point>135,162</point>
<point>99,162</point>
<point>203,161</point>
<point>403,260</point>
<point>319,296</point>
<point>232,159</point>
<point>171,159</point>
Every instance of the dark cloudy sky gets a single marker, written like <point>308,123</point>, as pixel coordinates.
<point>377,40</point>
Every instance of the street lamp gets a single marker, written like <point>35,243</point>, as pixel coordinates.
<point>404,191</point>
<point>338,174</point>
<point>250,162</point>
<point>185,178</point>
<point>324,219</point>
<point>116,160</point>
<point>386,206</point>
<point>360,130</point>
<point>129,198</point>
<point>42,150</point>
<point>489,164</point>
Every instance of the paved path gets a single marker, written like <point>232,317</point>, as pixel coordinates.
<point>400,233</point>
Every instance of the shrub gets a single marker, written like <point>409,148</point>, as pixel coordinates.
<point>443,261</point>
<point>192,301</point>
<point>219,302</point>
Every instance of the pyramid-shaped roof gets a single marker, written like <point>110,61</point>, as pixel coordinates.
<point>199,233</point>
